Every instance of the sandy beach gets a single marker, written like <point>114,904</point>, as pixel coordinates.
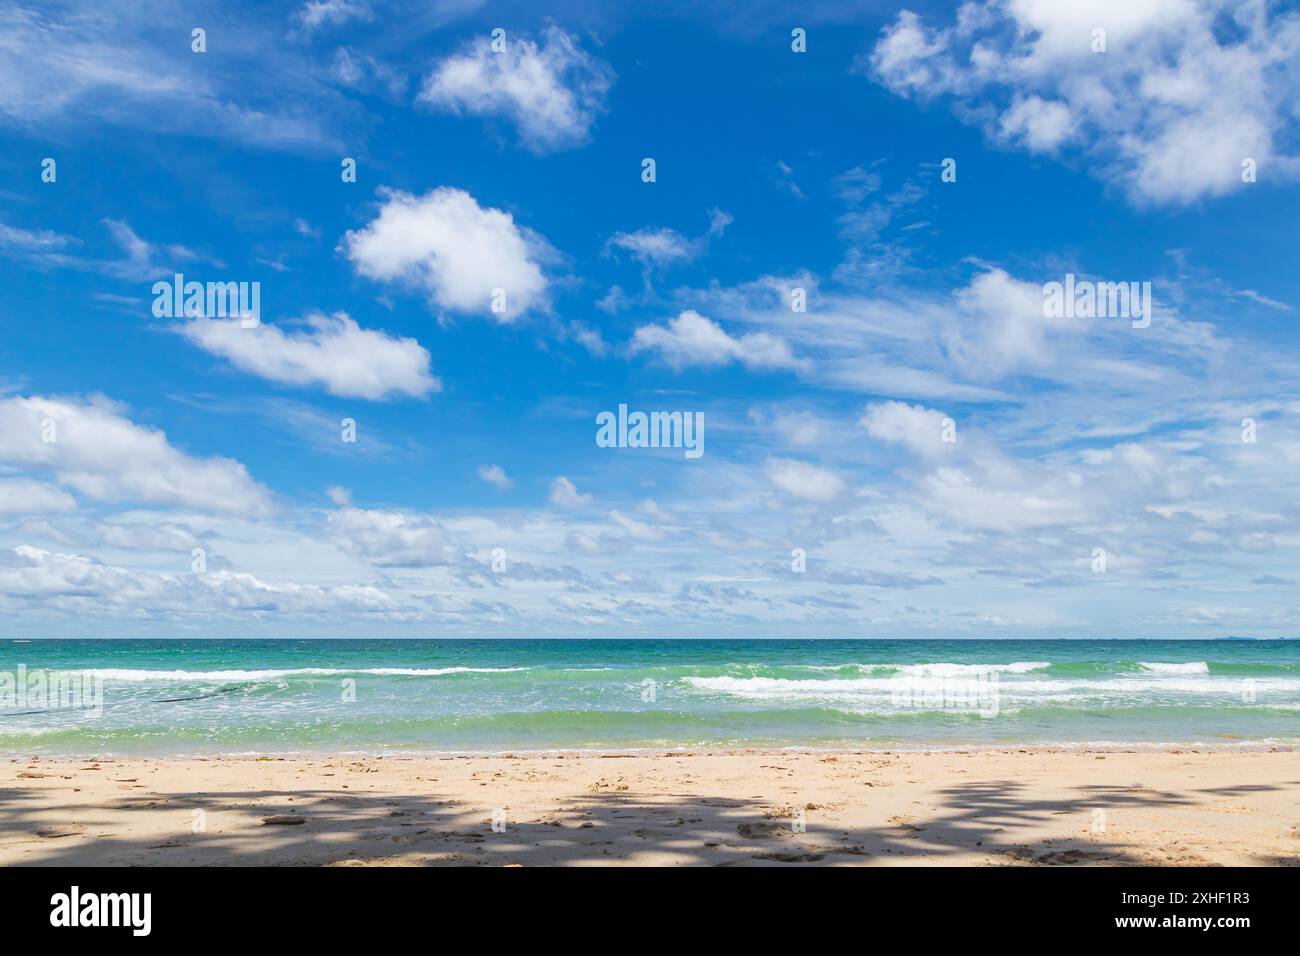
<point>980,808</point>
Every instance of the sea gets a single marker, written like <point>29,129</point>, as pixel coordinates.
<point>403,696</point>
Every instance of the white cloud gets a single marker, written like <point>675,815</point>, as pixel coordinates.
<point>660,248</point>
<point>1197,505</point>
<point>655,248</point>
<point>392,539</point>
<point>787,181</point>
<point>101,454</point>
<point>333,352</point>
<point>565,494</point>
<point>991,492</point>
<point>551,91</point>
<point>613,301</point>
<point>917,427</point>
<point>454,250</point>
<point>362,72</point>
<point>798,428</point>
<point>65,64</point>
<point>978,342</point>
<point>650,507</point>
<point>495,475</point>
<point>1184,92</point>
<point>140,259</point>
<point>800,479</point>
<point>996,327</point>
<point>1254,296</point>
<point>633,528</point>
<point>692,339</point>
<point>31,242</point>
<point>1042,124</point>
<point>24,496</point>
<point>589,338</point>
<point>140,536</point>
<point>581,543</point>
<point>76,584</point>
<point>973,484</point>
<point>318,13</point>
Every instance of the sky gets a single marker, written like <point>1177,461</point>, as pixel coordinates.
<point>839,265</point>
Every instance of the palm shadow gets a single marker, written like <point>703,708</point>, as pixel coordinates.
<point>996,820</point>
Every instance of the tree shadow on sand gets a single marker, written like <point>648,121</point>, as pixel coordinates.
<point>994,819</point>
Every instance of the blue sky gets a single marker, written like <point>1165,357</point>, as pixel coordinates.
<point>520,169</point>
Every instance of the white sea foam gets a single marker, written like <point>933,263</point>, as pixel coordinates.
<point>867,687</point>
<point>972,670</point>
<point>131,674</point>
<point>938,669</point>
<point>783,687</point>
<point>1192,667</point>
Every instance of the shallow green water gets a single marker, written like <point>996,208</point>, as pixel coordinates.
<point>419,696</point>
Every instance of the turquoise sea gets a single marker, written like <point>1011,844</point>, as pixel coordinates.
<point>421,696</point>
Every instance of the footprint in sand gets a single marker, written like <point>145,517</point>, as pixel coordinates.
<point>759,831</point>
<point>1059,857</point>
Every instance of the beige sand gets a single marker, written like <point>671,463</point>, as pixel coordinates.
<point>777,808</point>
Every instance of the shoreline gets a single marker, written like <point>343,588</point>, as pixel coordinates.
<point>1089,747</point>
<point>1011,806</point>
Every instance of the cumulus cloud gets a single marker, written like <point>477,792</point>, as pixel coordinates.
<point>552,91</point>
<point>495,475</point>
<point>149,536</point>
<point>391,539</point>
<point>24,496</point>
<point>692,339</point>
<point>332,352</point>
<point>794,427</point>
<point>565,494</point>
<point>73,583</point>
<point>915,426</point>
<point>1184,92</point>
<point>798,428</point>
<point>996,327</point>
<point>972,484</point>
<point>799,479</point>
<point>994,493</point>
<point>1041,124</point>
<point>101,454</point>
<point>457,252</point>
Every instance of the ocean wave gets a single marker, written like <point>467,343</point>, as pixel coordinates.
<point>972,670</point>
<point>131,674</point>
<point>770,687</point>
<point>939,669</point>
<point>786,687</point>
<point>1191,667</point>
